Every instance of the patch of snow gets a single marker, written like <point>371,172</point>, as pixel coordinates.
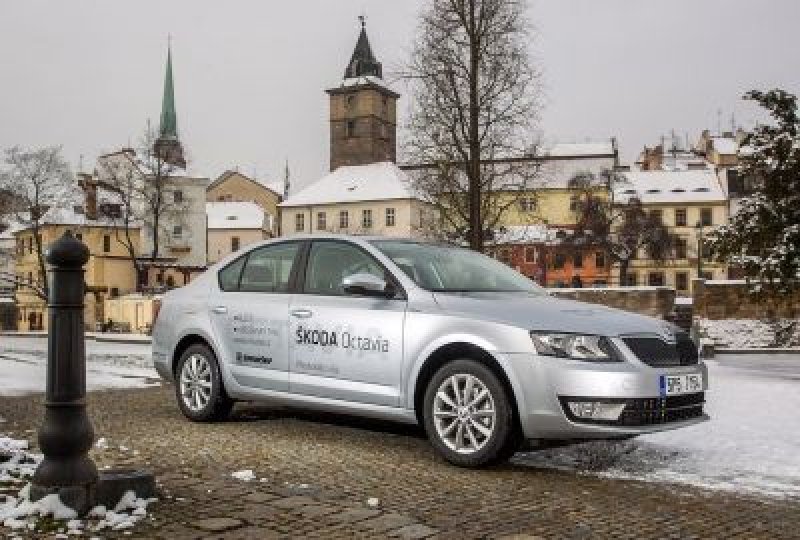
<point>235,215</point>
<point>246,475</point>
<point>750,333</point>
<point>749,445</point>
<point>373,502</point>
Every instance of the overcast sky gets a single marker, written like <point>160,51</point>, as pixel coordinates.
<point>250,75</point>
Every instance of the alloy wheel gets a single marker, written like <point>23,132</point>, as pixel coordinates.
<point>196,382</point>
<point>464,413</point>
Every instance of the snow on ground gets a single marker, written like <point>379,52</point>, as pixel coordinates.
<point>748,333</point>
<point>19,513</point>
<point>750,445</point>
<point>23,364</point>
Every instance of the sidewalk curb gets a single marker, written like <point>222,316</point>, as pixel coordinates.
<point>763,350</point>
<point>133,339</point>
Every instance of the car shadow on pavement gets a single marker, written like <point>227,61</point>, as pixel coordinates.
<point>252,412</point>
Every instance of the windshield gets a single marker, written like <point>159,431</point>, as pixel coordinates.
<point>451,269</point>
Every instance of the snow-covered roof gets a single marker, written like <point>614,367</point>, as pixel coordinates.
<point>64,215</point>
<point>579,149</point>
<point>362,81</point>
<point>526,234</point>
<point>234,215</point>
<point>670,186</point>
<point>276,187</point>
<point>373,182</point>
<point>725,145</point>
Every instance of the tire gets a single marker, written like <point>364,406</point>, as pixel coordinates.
<point>469,435</point>
<point>198,386</point>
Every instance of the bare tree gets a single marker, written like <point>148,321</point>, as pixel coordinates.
<point>620,228</point>
<point>474,108</point>
<point>36,180</point>
<point>140,188</point>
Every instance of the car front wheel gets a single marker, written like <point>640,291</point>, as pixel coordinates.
<point>198,386</point>
<point>468,416</point>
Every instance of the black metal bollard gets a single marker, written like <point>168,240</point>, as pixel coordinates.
<point>66,434</point>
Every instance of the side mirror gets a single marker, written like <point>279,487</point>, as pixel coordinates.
<point>367,285</point>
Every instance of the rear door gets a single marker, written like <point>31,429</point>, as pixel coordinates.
<point>249,314</point>
<point>344,346</point>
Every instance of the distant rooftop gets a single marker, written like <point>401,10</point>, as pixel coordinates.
<point>373,182</point>
<point>234,215</point>
<point>670,186</point>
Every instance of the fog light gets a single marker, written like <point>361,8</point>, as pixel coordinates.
<point>596,410</point>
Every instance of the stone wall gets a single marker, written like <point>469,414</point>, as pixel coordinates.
<point>653,301</point>
<point>733,299</point>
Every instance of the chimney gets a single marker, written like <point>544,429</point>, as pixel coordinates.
<point>89,187</point>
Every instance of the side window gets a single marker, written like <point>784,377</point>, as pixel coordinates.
<point>268,268</point>
<point>229,276</point>
<point>330,262</point>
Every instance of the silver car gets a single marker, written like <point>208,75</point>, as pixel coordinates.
<point>417,332</point>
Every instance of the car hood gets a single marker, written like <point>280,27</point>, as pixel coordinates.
<point>542,312</point>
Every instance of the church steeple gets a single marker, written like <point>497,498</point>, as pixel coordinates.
<point>363,61</point>
<point>168,146</point>
<point>363,116</point>
<point>169,119</point>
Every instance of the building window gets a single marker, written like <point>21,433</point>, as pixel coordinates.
<point>366,219</point>
<point>344,219</point>
<point>79,237</point>
<point>385,105</point>
<point>706,275</point>
<point>390,216</point>
<point>350,101</point>
<point>600,260</point>
<point>530,254</point>
<point>177,231</point>
<point>114,292</point>
<point>235,244</point>
<point>322,221</point>
<point>573,203</point>
<point>30,244</point>
<point>527,204</point>
<point>350,128</point>
<point>299,222</point>
<point>577,259</point>
<point>178,197</point>
<point>680,217</point>
<point>706,217</point>
<point>655,279</point>
<point>504,255</point>
<point>631,280</point>
<point>682,281</point>
<point>657,215</point>
<point>106,243</point>
<point>680,248</point>
<point>559,260</point>
<point>705,250</point>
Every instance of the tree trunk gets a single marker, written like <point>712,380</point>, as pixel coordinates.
<point>474,166</point>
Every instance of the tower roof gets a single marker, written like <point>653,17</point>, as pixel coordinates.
<point>168,128</point>
<point>363,61</point>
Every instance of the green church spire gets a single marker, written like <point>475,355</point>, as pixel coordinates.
<point>168,129</point>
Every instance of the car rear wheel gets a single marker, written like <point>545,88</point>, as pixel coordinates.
<point>198,386</point>
<point>469,416</point>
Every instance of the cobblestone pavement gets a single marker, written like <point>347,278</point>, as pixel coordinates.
<point>320,471</point>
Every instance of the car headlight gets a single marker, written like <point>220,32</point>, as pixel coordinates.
<point>575,346</point>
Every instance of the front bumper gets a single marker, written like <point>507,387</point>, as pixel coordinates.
<point>544,384</point>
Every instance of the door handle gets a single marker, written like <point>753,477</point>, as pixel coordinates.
<point>219,310</point>
<point>301,313</point>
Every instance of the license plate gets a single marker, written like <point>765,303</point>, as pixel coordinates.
<point>672,385</point>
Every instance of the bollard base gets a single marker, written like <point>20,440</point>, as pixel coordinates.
<point>78,498</point>
<point>114,483</point>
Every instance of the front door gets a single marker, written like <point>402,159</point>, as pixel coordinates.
<point>250,312</point>
<point>343,346</point>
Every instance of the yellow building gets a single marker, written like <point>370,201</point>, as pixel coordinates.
<point>109,272</point>
<point>234,225</point>
<point>376,199</point>
<point>233,186</point>
<point>691,203</point>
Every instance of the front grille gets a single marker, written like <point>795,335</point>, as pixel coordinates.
<point>656,352</point>
<point>647,411</point>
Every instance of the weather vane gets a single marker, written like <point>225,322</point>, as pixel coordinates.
<point>363,19</point>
